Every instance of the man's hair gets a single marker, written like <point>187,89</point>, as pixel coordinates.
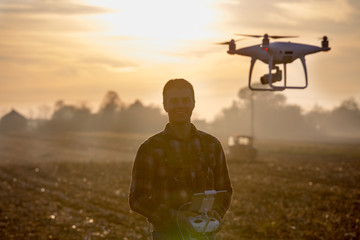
<point>178,83</point>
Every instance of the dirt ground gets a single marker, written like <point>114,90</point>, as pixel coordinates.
<point>75,186</point>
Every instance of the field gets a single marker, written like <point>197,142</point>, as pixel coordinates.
<point>75,186</point>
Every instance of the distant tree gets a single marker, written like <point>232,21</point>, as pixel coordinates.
<point>272,117</point>
<point>70,118</point>
<point>202,124</point>
<point>139,118</point>
<point>108,117</point>
<point>344,120</point>
<point>44,112</point>
<point>317,118</point>
<point>232,120</point>
<point>111,103</point>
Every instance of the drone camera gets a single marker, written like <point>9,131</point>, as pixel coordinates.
<point>275,77</point>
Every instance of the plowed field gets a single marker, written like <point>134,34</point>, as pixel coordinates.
<point>75,186</point>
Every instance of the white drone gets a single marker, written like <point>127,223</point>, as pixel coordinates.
<point>276,53</point>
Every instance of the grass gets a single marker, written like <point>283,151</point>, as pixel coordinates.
<point>75,186</point>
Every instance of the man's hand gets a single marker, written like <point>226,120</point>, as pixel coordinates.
<point>215,215</point>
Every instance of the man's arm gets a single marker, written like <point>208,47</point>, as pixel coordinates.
<point>142,188</point>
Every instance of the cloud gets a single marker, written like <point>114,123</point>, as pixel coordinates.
<point>333,10</point>
<point>47,7</point>
<point>23,60</point>
<point>45,16</point>
<point>25,24</point>
<point>111,64</point>
<point>252,17</point>
<point>282,15</point>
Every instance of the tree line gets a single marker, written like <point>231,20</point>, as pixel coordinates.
<point>274,118</point>
<point>266,115</point>
<point>113,115</point>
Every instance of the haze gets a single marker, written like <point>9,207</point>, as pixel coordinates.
<point>76,51</point>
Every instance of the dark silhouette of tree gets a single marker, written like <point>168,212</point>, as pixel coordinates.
<point>344,120</point>
<point>111,103</point>
<point>273,118</point>
<point>232,120</point>
<point>317,118</point>
<point>347,115</point>
<point>108,117</point>
<point>139,118</point>
<point>70,118</point>
<point>341,122</point>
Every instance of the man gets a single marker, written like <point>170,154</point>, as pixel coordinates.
<point>173,165</point>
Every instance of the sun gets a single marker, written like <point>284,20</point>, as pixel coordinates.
<point>158,19</point>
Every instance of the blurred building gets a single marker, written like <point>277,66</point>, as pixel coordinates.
<point>13,121</point>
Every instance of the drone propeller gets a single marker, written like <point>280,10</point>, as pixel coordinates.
<point>266,36</point>
<point>249,35</point>
<point>276,37</point>
<point>228,42</point>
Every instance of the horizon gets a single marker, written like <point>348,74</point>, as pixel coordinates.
<point>94,107</point>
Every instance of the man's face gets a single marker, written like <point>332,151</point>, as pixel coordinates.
<point>179,104</point>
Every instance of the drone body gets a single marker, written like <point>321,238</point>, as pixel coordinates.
<point>276,53</point>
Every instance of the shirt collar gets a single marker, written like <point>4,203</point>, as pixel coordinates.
<point>169,133</point>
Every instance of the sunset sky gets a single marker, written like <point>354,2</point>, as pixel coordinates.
<point>77,50</point>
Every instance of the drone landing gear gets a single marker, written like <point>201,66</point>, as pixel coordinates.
<point>293,87</point>
<point>271,78</point>
<point>268,78</point>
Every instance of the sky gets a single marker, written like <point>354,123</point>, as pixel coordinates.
<point>77,50</point>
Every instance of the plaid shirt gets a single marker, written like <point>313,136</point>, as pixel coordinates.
<point>167,171</point>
